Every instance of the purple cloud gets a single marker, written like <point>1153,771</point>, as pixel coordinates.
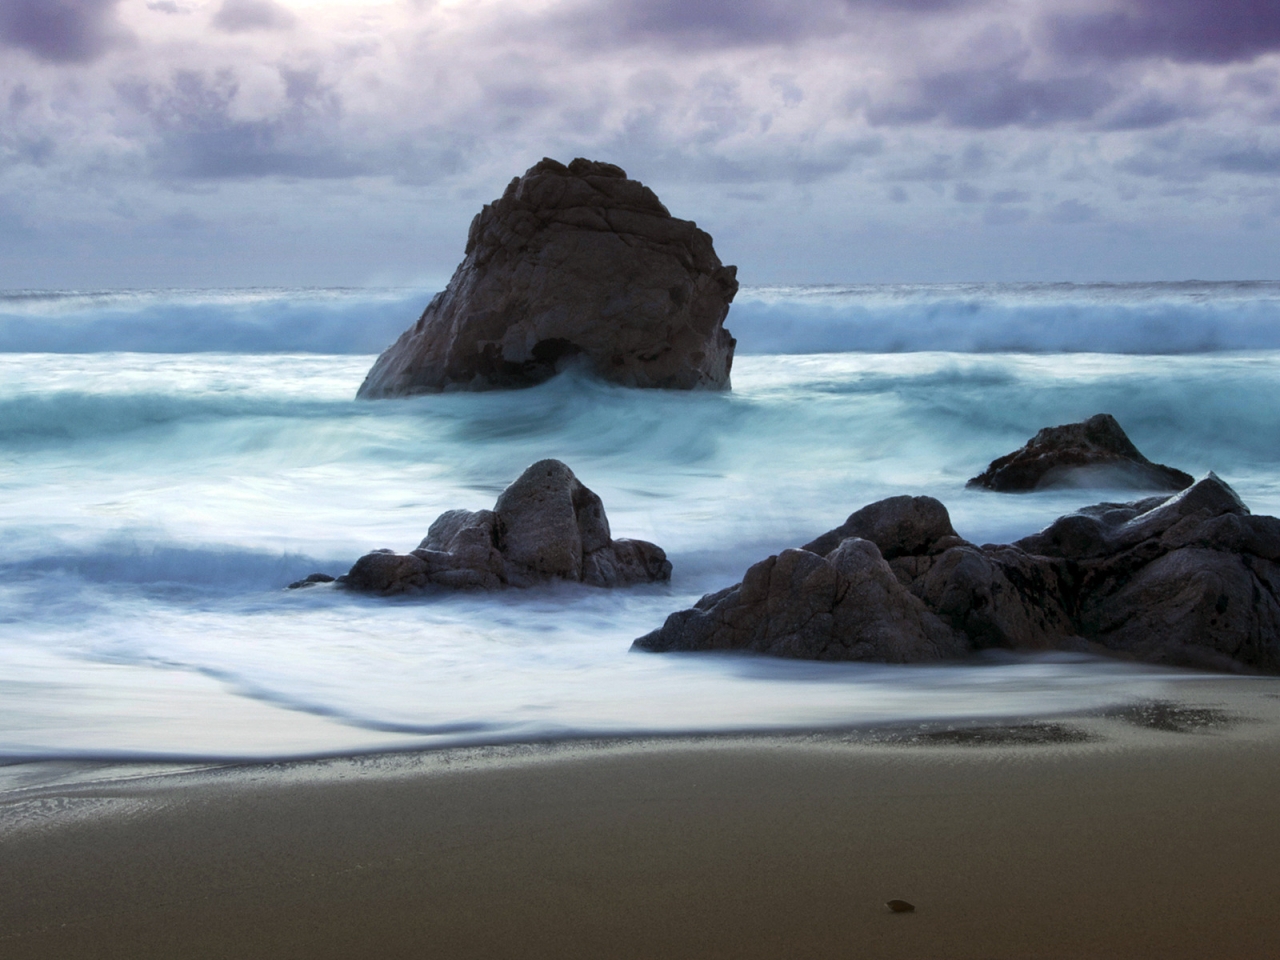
<point>989,97</point>
<point>200,140</point>
<point>1252,159</point>
<point>1196,31</point>
<point>729,23</point>
<point>238,16</point>
<point>1149,110</point>
<point>59,31</point>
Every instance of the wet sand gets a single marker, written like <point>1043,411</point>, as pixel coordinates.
<point>1150,832</point>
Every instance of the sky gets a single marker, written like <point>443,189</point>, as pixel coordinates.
<point>149,143</point>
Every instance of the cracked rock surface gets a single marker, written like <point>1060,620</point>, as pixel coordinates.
<point>1186,580</point>
<point>573,264</point>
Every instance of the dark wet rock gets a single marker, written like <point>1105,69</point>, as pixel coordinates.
<point>1173,717</point>
<point>1094,453</point>
<point>1190,607</point>
<point>848,605</point>
<point>898,526</point>
<point>547,525</point>
<point>311,581</point>
<point>1187,580</point>
<point>1001,597</point>
<point>573,264</point>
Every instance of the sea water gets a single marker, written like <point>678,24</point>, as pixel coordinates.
<point>171,460</point>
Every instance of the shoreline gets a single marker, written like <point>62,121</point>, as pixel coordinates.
<point>19,770</point>
<point>1145,831</point>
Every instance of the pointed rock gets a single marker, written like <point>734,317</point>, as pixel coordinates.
<point>1093,453</point>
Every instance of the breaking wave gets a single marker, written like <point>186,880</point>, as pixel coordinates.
<point>206,321</point>
<point>1151,318</point>
<point>1148,318</point>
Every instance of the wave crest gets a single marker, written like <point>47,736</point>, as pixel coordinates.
<point>1152,318</point>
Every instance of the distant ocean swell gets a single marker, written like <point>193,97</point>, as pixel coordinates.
<point>206,321</point>
<point>1146,318</point>
<point>1164,318</point>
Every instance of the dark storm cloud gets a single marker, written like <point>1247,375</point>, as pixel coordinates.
<point>714,22</point>
<point>238,16</point>
<point>728,23</point>
<point>197,137</point>
<point>199,140</point>
<point>1195,31</point>
<point>59,31</point>
<point>1255,160</point>
<point>1149,110</point>
<point>989,97</point>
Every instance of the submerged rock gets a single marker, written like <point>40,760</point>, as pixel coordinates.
<point>1187,580</point>
<point>545,526</point>
<point>1093,453</point>
<point>311,581</point>
<point>577,264</point>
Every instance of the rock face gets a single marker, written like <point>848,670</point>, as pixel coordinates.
<point>545,526</point>
<point>1094,453</point>
<point>847,605</point>
<point>1187,580</point>
<point>572,264</point>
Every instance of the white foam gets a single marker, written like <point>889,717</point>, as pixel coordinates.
<point>155,505</point>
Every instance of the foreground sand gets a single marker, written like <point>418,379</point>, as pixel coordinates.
<point>1152,834</point>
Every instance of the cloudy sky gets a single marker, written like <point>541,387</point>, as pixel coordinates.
<point>333,142</point>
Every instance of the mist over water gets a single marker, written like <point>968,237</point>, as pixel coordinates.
<point>155,505</point>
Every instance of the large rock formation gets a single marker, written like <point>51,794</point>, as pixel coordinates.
<point>1190,580</point>
<point>1093,453</point>
<point>578,264</point>
<point>545,526</point>
<point>847,605</point>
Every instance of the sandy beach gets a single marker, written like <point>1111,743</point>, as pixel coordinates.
<point>1145,832</point>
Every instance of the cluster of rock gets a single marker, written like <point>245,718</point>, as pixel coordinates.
<point>579,264</point>
<point>547,525</point>
<point>1095,452</point>
<point>1191,580</point>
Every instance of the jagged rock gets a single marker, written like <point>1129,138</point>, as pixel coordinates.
<point>1189,580</point>
<point>1000,596</point>
<point>1094,453</point>
<point>545,526</point>
<point>845,606</point>
<point>571,264</point>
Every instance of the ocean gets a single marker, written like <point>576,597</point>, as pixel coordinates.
<point>171,459</point>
